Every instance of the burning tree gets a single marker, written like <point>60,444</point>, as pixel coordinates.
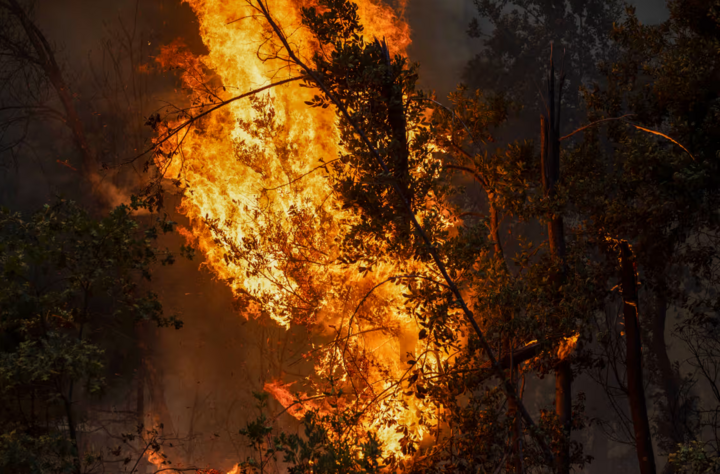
<point>376,256</point>
<point>334,195</point>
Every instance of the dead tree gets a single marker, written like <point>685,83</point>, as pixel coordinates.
<point>636,388</point>
<point>550,163</point>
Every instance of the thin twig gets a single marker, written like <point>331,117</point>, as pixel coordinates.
<point>475,173</point>
<point>648,130</point>
<point>502,462</point>
<point>467,129</point>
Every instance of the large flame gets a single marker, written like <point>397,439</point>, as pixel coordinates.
<point>265,216</point>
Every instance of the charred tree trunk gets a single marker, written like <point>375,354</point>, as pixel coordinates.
<point>140,420</point>
<point>72,432</point>
<point>563,410</point>
<point>140,398</point>
<point>514,462</point>
<point>636,388</point>
<point>550,162</point>
<point>397,123</point>
<point>396,120</point>
<point>154,384</point>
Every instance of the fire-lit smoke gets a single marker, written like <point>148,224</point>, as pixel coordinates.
<point>265,216</point>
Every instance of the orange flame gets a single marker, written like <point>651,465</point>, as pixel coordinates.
<point>281,393</point>
<point>265,216</point>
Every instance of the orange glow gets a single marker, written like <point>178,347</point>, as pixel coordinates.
<point>156,459</point>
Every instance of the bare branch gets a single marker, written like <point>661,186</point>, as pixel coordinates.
<point>194,119</point>
<point>301,176</point>
<point>592,124</point>
<point>654,132</point>
<point>664,136</point>
<point>473,172</point>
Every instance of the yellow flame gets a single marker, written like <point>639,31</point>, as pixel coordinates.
<point>264,214</point>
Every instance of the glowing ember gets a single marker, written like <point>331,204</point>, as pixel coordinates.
<point>567,346</point>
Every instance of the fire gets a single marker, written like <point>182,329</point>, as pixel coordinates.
<point>567,345</point>
<point>156,458</point>
<point>264,214</point>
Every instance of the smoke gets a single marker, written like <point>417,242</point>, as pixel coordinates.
<point>79,26</point>
<point>207,371</point>
<point>651,11</point>
<point>101,48</point>
<point>440,41</point>
<point>443,48</point>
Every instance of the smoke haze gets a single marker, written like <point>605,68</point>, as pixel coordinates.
<point>443,48</point>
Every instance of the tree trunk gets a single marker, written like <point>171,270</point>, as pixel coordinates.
<point>156,391</point>
<point>397,122</point>
<point>399,149</point>
<point>140,399</point>
<point>550,163</point>
<point>636,388</point>
<point>563,410</point>
<point>72,432</point>
<point>516,463</point>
